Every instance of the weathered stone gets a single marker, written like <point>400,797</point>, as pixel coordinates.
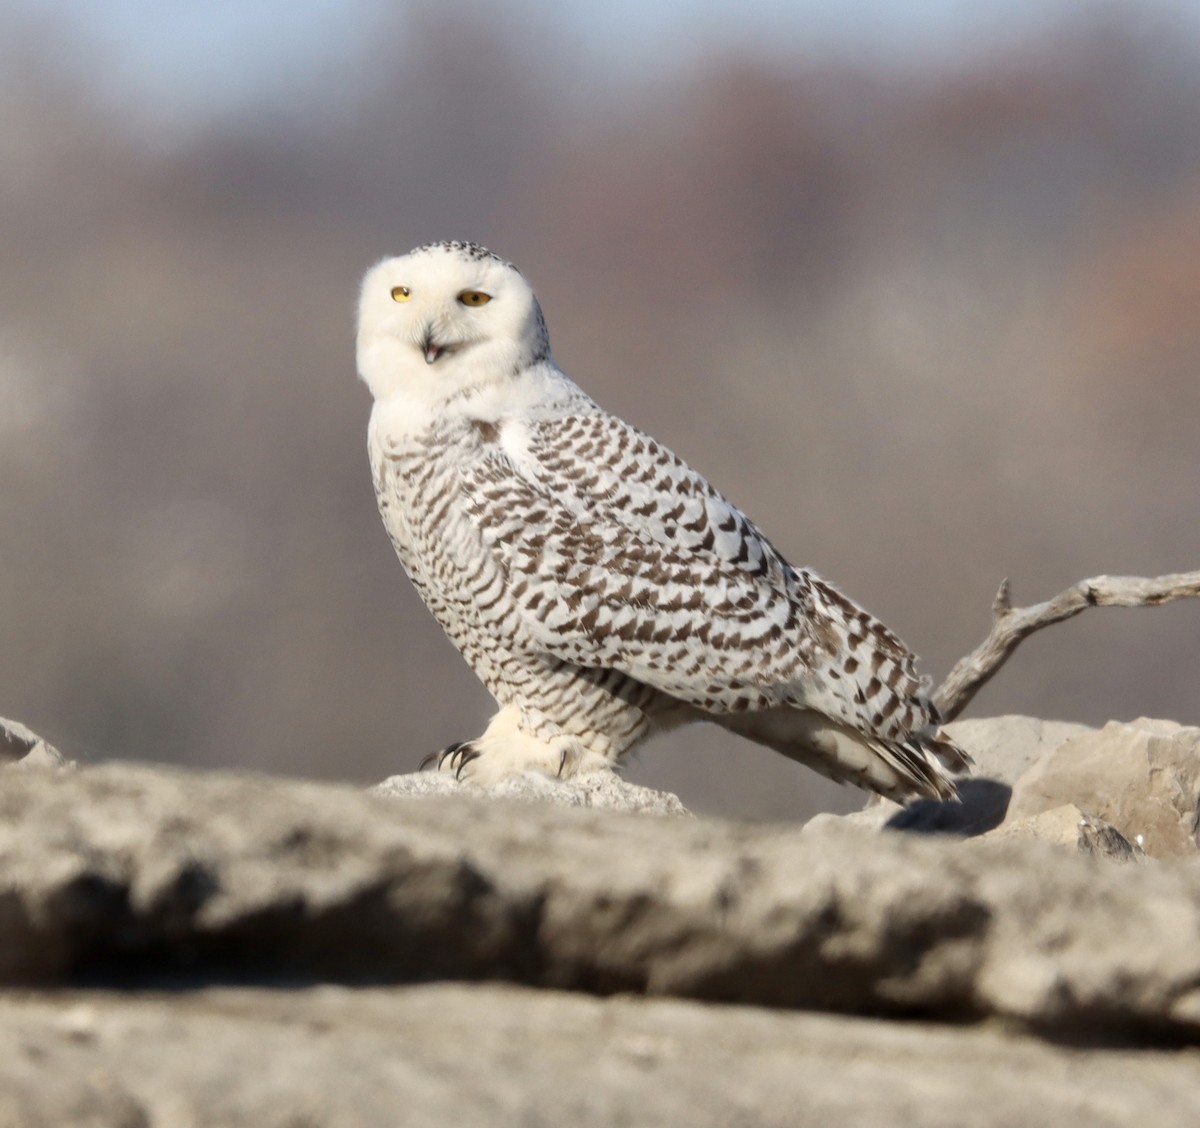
<point>15,740</point>
<point>1003,748</point>
<point>1069,826</point>
<point>42,757</point>
<point>21,747</point>
<point>602,790</point>
<point>494,1057</point>
<point>122,870</point>
<point>1143,778</point>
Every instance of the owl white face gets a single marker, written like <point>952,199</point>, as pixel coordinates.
<point>443,319</point>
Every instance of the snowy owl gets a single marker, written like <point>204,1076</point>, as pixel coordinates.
<point>600,588</point>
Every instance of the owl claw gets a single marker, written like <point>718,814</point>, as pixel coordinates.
<point>465,755</point>
<point>505,750</point>
<point>455,754</point>
<point>454,757</point>
<point>452,752</point>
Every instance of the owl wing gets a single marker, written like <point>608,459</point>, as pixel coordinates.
<point>619,555</point>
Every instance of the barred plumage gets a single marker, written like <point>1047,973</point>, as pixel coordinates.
<point>599,587</point>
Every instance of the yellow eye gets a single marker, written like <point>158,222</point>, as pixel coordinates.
<point>401,293</point>
<point>474,298</point>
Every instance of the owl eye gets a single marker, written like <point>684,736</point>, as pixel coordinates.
<point>401,293</point>
<point>474,298</point>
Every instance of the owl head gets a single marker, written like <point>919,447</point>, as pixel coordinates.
<point>443,319</point>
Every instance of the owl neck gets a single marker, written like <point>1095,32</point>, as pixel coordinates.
<point>535,391</point>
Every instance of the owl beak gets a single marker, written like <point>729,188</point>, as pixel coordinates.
<point>432,350</point>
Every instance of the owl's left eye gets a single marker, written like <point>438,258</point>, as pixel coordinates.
<point>401,293</point>
<point>474,298</point>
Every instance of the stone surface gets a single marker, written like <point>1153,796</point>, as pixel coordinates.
<point>42,757</point>
<point>172,945</point>
<point>15,740</point>
<point>1069,826</point>
<point>602,790</point>
<point>20,747</point>
<point>1143,778</point>
<point>123,871</point>
<point>1124,791</point>
<point>488,1056</point>
<point>1003,749</point>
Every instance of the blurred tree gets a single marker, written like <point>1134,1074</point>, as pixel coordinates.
<point>928,328</point>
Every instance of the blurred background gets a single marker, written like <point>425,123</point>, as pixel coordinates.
<point>914,282</point>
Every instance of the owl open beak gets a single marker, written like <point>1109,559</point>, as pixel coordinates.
<point>432,349</point>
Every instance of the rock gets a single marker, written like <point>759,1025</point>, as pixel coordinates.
<point>487,1056</point>
<point>126,876</point>
<point>15,741</point>
<point>1143,778</point>
<point>123,871</point>
<point>1003,748</point>
<point>21,747</point>
<point>876,815</point>
<point>1123,791</point>
<point>603,790</point>
<point>42,757</point>
<point>1069,826</point>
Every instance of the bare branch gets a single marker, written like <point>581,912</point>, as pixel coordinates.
<point>1011,625</point>
<point>1002,604</point>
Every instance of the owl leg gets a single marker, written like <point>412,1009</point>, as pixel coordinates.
<point>509,748</point>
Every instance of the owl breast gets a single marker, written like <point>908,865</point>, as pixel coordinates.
<point>430,487</point>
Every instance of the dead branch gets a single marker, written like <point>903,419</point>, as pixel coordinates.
<point>1011,625</point>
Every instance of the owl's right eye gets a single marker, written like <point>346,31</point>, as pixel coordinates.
<point>401,293</point>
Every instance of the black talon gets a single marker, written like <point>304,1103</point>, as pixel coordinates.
<point>562,763</point>
<point>453,754</point>
<point>465,755</point>
<point>435,760</point>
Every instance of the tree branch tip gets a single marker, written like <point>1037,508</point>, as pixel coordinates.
<point>1002,603</point>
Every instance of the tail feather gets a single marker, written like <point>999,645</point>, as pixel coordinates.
<point>922,764</point>
<point>927,762</point>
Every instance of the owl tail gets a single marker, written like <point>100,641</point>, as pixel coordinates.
<point>920,766</point>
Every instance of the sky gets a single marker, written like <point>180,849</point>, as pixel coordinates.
<point>199,59</point>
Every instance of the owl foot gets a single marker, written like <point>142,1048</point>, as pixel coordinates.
<point>507,750</point>
<point>453,758</point>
